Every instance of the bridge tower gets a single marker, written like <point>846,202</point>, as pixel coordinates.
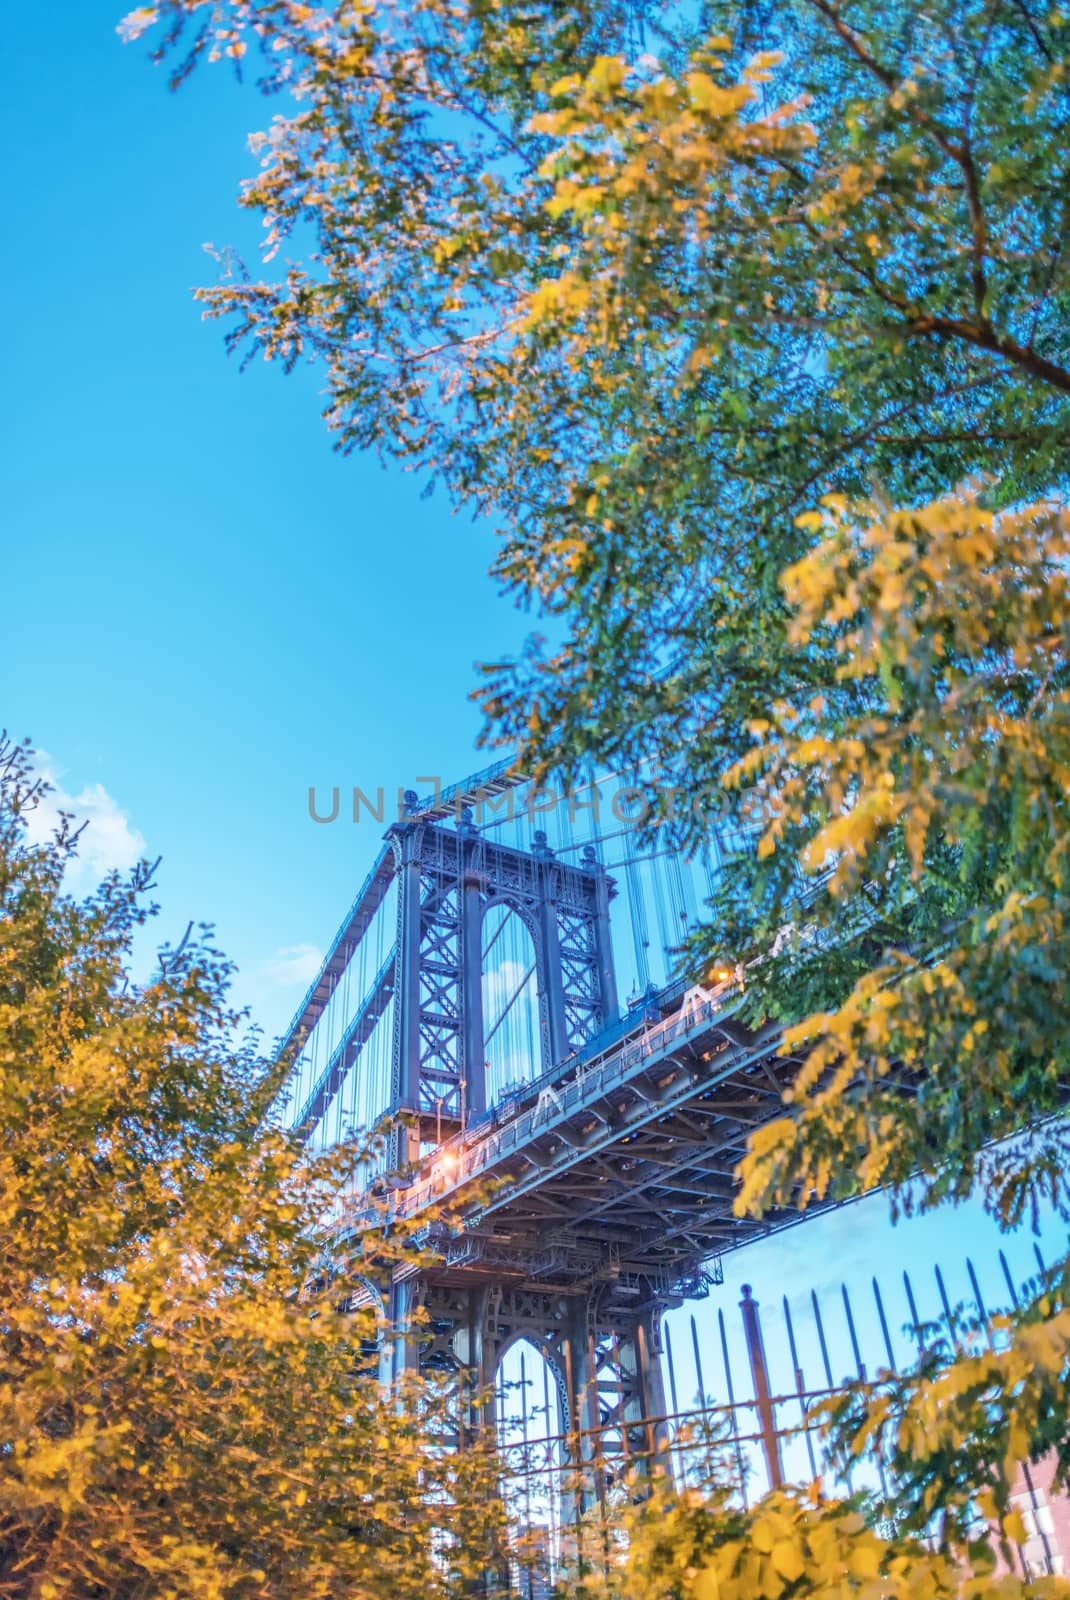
<point>611,1169</point>
<point>448,879</point>
<point>597,1325</point>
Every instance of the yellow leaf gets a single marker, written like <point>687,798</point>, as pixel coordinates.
<point>787,1560</point>
<point>864,1560</point>
<point>707,1585</point>
<point>708,96</point>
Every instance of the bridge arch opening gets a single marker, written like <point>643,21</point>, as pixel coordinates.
<point>530,1424</point>
<point>512,1039</point>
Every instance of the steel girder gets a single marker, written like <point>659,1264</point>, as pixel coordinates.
<point>627,1167</point>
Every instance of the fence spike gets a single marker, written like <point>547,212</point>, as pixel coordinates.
<point>702,1396</point>
<point>825,1359</point>
<point>856,1352</point>
<point>800,1387</point>
<point>945,1302</point>
<point>861,1369</point>
<point>884,1325</point>
<point>914,1318</point>
<point>679,1465</point>
<point>821,1339</point>
<point>981,1308</point>
<point>1010,1280</point>
<point>732,1404</point>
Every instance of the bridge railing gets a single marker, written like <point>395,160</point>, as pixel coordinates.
<point>461,1157</point>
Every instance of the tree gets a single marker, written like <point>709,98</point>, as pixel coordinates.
<point>936,768</point>
<point>933,780</point>
<point>794,1545</point>
<point>752,329</point>
<point>183,1413</point>
<point>645,296</point>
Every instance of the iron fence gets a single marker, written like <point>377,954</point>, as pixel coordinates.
<point>763,1428</point>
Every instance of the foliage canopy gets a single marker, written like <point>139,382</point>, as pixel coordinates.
<point>182,1415</point>
<point>644,282</point>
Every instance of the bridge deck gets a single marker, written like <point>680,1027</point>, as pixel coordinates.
<point>623,1168</point>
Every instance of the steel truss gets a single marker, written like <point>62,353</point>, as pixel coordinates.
<point>602,1347</point>
<point>448,879</point>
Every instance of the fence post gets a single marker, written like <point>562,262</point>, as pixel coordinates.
<point>752,1329</point>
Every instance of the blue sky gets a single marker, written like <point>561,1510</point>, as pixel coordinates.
<point>205,609</point>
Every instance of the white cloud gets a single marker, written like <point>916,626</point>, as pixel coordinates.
<point>509,975</point>
<point>500,984</point>
<point>108,841</point>
<point>293,964</point>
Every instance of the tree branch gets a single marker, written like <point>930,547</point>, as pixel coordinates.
<point>985,337</point>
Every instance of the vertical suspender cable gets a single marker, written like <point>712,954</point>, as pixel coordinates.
<point>665,930</point>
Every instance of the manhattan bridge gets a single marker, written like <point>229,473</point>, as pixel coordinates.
<point>506,977</point>
<point>506,984</point>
